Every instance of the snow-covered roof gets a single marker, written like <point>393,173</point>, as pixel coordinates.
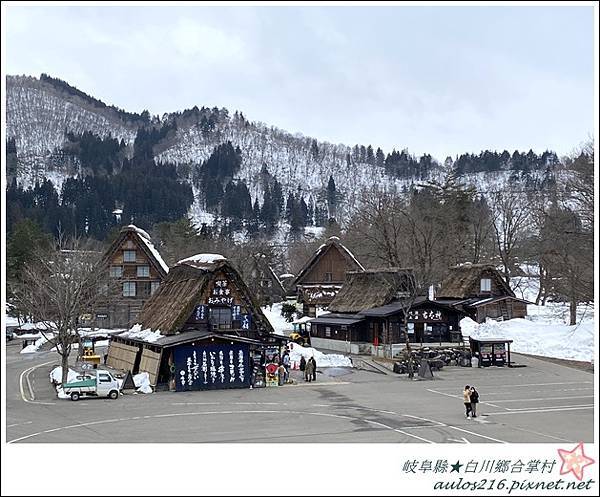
<point>145,238</point>
<point>146,335</point>
<point>302,320</point>
<point>155,253</point>
<point>201,260</point>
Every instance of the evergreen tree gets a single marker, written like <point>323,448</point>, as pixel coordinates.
<point>379,158</point>
<point>369,157</point>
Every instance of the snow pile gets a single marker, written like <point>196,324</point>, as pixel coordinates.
<point>146,335</point>
<point>278,322</point>
<point>30,349</point>
<point>544,337</point>
<point>142,382</point>
<point>201,259</point>
<point>56,375</point>
<point>285,276</point>
<point>323,360</point>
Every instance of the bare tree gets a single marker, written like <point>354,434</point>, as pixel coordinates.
<point>59,286</point>
<point>511,217</point>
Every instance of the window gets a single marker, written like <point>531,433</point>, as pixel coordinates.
<point>143,271</point>
<point>104,378</point>
<point>128,255</point>
<point>486,285</point>
<point>129,289</point>
<point>328,276</point>
<point>144,289</point>
<point>327,331</point>
<point>154,286</point>
<point>116,271</point>
<point>220,317</point>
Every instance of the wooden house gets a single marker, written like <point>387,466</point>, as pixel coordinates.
<point>136,265</point>
<point>263,282</point>
<point>201,330</point>
<point>368,314</point>
<point>481,292</point>
<point>323,275</point>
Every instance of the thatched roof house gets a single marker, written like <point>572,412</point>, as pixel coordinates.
<point>371,288</point>
<point>480,290</point>
<point>135,263</point>
<point>191,283</point>
<point>464,282</point>
<point>202,329</point>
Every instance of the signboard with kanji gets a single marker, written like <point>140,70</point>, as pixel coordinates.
<point>220,293</point>
<point>210,367</point>
<point>425,315</point>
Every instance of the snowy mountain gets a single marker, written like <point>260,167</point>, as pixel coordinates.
<point>41,112</point>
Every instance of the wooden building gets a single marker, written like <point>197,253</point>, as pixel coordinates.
<point>323,275</point>
<point>263,282</point>
<point>481,292</point>
<point>136,265</point>
<point>368,313</point>
<point>201,330</point>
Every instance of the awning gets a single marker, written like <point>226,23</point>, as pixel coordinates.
<point>336,321</point>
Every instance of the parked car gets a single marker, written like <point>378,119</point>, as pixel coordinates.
<point>10,335</point>
<point>102,384</point>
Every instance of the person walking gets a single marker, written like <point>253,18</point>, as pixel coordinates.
<point>286,364</point>
<point>314,368</point>
<point>474,401</point>
<point>308,371</point>
<point>302,364</point>
<point>467,400</point>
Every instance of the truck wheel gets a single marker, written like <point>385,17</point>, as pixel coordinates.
<point>75,396</point>
<point>113,394</point>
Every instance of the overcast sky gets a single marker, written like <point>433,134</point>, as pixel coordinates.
<point>441,80</point>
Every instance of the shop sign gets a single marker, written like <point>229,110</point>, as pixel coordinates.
<point>211,367</point>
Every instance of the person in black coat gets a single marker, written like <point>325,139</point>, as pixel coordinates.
<point>302,363</point>
<point>474,402</point>
<point>314,368</point>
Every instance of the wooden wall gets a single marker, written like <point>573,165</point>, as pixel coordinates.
<point>332,261</point>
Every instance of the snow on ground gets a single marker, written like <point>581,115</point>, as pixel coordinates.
<point>146,335</point>
<point>34,347</point>
<point>142,381</point>
<point>9,321</point>
<point>278,322</point>
<point>323,360</point>
<point>545,332</point>
<point>56,375</point>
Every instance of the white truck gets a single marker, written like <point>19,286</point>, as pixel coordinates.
<point>102,384</point>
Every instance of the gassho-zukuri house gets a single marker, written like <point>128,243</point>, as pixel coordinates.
<point>201,330</point>
<point>321,278</point>
<point>480,292</point>
<point>367,315</point>
<point>134,262</point>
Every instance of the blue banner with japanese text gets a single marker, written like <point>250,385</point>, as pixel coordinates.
<point>212,366</point>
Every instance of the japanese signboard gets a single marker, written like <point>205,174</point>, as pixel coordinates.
<point>425,315</point>
<point>220,293</point>
<point>211,367</point>
<point>200,313</point>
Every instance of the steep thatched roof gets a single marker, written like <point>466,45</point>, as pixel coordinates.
<point>144,242</point>
<point>176,298</point>
<point>333,241</point>
<point>373,288</point>
<point>463,281</point>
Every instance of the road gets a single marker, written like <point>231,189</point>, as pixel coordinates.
<point>540,403</point>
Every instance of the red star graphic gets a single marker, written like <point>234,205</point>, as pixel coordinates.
<point>574,461</point>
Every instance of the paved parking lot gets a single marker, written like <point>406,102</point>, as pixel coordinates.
<point>542,402</point>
